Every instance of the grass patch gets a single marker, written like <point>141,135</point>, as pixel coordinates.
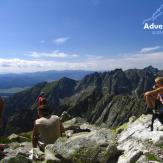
<point>4,140</point>
<point>152,157</point>
<point>121,128</point>
<point>85,155</point>
<point>27,135</point>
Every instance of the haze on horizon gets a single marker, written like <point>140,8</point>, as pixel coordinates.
<point>94,35</point>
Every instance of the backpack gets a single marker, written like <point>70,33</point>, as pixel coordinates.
<point>42,101</point>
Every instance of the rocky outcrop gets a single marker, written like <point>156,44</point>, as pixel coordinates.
<point>17,153</point>
<point>95,146</point>
<point>133,142</point>
<point>139,143</point>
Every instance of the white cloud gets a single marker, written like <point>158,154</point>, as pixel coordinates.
<point>135,60</point>
<point>20,65</point>
<point>94,56</point>
<point>61,40</point>
<point>149,49</point>
<point>54,54</point>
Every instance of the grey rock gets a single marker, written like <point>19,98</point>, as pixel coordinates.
<point>137,141</point>
<point>17,138</point>
<point>16,159</point>
<point>17,153</point>
<point>96,146</point>
<point>65,116</point>
<point>73,124</point>
<point>160,128</point>
<point>142,159</point>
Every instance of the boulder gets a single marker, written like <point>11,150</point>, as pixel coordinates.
<point>95,146</point>
<point>138,142</point>
<point>74,124</point>
<point>17,153</point>
<point>16,159</point>
<point>65,116</point>
<point>17,138</point>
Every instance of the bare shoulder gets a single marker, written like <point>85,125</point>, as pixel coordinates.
<point>55,116</point>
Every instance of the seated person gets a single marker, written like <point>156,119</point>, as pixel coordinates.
<point>47,129</point>
<point>152,96</point>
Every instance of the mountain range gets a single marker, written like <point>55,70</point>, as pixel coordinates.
<point>107,99</point>
<point>13,80</point>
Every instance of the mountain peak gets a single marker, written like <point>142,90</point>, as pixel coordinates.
<point>151,69</point>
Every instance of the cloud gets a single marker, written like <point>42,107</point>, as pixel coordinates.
<point>137,60</point>
<point>134,60</point>
<point>94,56</point>
<point>149,49</point>
<point>54,54</point>
<point>19,65</point>
<point>61,40</point>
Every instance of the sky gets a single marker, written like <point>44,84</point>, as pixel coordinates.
<point>98,35</point>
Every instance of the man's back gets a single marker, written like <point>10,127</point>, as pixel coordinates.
<point>49,128</point>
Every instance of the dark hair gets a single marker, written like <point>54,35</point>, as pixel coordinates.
<point>42,94</point>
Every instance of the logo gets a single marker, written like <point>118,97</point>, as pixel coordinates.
<point>150,25</point>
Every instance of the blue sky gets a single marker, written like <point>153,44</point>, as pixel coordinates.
<point>40,35</point>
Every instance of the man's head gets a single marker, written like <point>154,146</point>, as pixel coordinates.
<point>159,81</point>
<point>42,94</point>
<point>43,111</point>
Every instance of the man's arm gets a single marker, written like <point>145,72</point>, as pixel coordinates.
<point>154,92</point>
<point>35,136</point>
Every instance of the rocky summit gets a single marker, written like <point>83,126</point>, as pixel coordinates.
<point>133,142</point>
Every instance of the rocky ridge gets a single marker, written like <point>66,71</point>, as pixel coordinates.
<point>133,142</point>
<point>108,98</point>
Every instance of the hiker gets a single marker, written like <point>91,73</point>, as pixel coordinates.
<point>47,129</point>
<point>2,107</point>
<point>155,95</point>
<point>42,99</point>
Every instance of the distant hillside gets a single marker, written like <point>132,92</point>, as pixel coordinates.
<point>29,79</point>
<point>108,98</point>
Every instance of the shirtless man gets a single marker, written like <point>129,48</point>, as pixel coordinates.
<point>47,129</point>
